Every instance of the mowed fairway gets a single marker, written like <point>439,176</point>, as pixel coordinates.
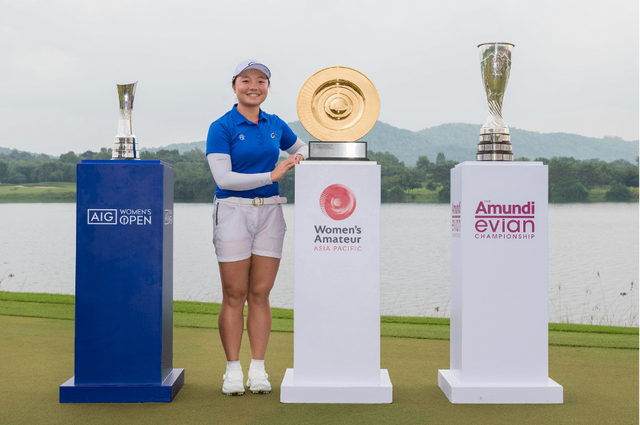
<point>38,192</point>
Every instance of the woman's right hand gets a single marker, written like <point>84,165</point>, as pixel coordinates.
<point>284,166</point>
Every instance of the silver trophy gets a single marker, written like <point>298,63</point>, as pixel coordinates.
<point>125,144</point>
<point>495,64</point>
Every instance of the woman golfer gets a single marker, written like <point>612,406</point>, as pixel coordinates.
<point>243,147</point>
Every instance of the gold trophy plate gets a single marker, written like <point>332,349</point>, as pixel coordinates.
<point>338,104</point>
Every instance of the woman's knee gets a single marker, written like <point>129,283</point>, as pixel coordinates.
<point>234,298</point>
<point>258,297</point>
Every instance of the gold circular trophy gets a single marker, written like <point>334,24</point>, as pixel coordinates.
<point>338,105</point>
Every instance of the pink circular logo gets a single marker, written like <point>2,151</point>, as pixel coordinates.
<point>337,202</point>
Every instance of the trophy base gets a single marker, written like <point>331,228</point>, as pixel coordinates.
<point>494,147</point>
<point>337,151</point>
<point>494,157</point>
<point>125,148</point>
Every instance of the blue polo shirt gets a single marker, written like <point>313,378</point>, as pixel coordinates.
<point>253,148</point>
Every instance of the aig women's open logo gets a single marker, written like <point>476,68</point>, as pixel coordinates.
<point>337,202</point>
<point>128,216</point>
<point>102,216</point>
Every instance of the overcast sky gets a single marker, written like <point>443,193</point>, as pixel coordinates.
<point>574,70</point>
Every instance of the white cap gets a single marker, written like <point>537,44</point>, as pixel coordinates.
<point>251,64</point>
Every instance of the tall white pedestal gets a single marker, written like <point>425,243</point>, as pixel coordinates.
<point>337,286</point>
<point>499,292</point>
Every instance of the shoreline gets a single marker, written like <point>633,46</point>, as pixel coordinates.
<point>65,192</point>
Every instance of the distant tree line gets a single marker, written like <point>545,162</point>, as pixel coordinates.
<point>22,167</point>
<point>569,179</point>
<point>397,178</point>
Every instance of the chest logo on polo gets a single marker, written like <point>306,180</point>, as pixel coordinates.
<point>241,137</point>
<point>273,135</point>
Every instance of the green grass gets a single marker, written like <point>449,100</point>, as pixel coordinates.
<point>189,314</point>
<point>598,194</point>
<point>600,385</point>
<point>421,196</point>
<point>38,192</point>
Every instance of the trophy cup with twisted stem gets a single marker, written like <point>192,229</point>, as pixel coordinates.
<point>495,65</point>
<point>125,143</point>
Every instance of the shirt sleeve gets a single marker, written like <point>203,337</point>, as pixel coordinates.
<point>218,139</point>
<point>299,147</point>
<point>288,137</point>
<point>226,179</point>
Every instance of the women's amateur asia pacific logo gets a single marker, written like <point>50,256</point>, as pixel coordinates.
<point>337,202</point>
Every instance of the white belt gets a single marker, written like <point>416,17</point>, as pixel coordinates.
<point>255,201</point>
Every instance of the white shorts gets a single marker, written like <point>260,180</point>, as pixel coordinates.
<point>240,230</point>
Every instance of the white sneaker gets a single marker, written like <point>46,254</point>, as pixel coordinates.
<point>258,382</point>
<point>233,383</point>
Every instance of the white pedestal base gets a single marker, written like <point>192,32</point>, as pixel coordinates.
<point>456,392</point>
<point>336,296</point>
<point>499,349</point>
<point>373,394</point>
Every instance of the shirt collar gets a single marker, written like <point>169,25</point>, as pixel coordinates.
<point>238,118</point>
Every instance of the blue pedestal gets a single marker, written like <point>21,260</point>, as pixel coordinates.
<point>124,284</point>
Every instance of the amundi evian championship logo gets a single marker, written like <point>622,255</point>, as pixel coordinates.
<point>337,202</point>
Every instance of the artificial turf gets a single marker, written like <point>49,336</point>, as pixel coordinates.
<point>36,356</point>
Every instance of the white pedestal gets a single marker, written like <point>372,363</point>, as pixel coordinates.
<point>337,286</point>
<point>499,292</point>
<point>366,394</point>
<point>457,392</point>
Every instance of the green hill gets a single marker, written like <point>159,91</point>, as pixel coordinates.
<point>458,143</point>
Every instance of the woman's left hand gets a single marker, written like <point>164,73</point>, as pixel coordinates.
<point>283,167</point>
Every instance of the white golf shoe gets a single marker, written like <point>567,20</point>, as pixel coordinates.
<point>233,383</point>
<point>258,382</point>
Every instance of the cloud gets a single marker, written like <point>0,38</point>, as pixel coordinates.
<point>574,61</point>
<point>27,66</point>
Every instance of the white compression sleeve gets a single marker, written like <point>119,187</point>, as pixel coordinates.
<point>299,147</point>
<point>220,165</point>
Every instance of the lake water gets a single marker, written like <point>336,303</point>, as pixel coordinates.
<point>593,258</point>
